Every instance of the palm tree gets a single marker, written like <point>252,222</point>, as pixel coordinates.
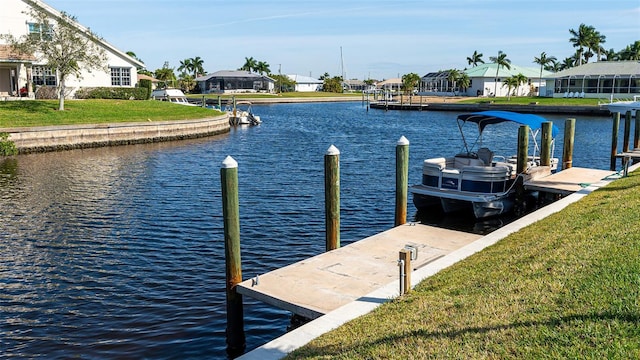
<point>185,66</point>
<point>464,81</point>
<point>581,38</point>
<point>475,58</point>
<point>567,63</point>
<point>555,66</point>
<point>631,52</point>
<point>543,61</point>
<point>197,66</point>
<point>453,77</point>
<point>166,75</point>
<point>501,61</point>
<point>410,82</point>
<point>595,41</point>
<point>520,80</point>
<point>262,67</point>
<point>511,83</point>
<point>249,64</point>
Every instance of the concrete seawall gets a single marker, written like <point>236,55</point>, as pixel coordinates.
<point>65,137</point>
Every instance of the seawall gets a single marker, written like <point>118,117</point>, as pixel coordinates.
<point>66,137</point>
<point>592,110</point>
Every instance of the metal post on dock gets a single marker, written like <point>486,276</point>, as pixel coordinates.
<point>567,151</point>
<point>523,149</point>
<point>545,147</point>
<point>614,140</point>
<point>219,102</point>
<point>332,197</point>
<point>627,131</point>
<point>236,341</point>
<point>402,180</point>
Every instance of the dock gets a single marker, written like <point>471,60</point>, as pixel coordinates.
<point>323,283</point>
<point>567,181</point>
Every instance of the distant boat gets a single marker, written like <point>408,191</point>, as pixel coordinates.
<point>478,179</point>
<point>175,96</point>
<point>240,115</point>
<point>623,106</point>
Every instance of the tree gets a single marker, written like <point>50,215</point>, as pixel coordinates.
<point>166,75</point>
<point>185,66</point>
<point>475,58</point>
<point>197,66</point>
<point>511,83</point>
<point>464,81</point>
<point>631,52</point>
<point>520,80</point>
<point>249,64</point>
<point>581,38</point>
<point>333,84</point>
<point>262,67</point>
<point>410,82</point>
<point>61,44</point>
<point>453,77</point>
<point>595,41</point>
<point>543,61</point>
<point>501,61</point>
<point>284,83</point>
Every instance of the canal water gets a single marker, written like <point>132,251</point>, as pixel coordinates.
<point>118,252</point>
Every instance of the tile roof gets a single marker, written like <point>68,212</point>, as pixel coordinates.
<point>8,55</point>
<point>621,68</point>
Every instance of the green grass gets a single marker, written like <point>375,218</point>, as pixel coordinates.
<point>567,287</point>
<point>30,113</point>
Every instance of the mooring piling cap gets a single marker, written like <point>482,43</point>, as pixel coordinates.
<point>332,150</point>
<point>403,141</point>
<point>229,163</point>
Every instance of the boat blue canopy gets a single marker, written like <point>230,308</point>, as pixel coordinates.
<point>484,118</point>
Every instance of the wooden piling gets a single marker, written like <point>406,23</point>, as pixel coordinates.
<point>402,180</point>
<point>545,147</point>
<point>523,149</point>
<point>627,132</point>
<point>569,135</point>
<point>405,271</point>
<point>332,197</point>
<point>614,140</point>
<point>636,132</point>
<point>236,341</point>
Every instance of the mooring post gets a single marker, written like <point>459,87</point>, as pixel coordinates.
<point>614,140</point>
<point>402,180</point>
<point>627,131</point>
<point>404,263</point>
<point>332,197</point>
<point>236,341</point>
<point>545,147</point>
<point>204,102</point>
<point>220,102</point>
<point>636,132</point>
<point>567,151</point>
<point>523,149</point>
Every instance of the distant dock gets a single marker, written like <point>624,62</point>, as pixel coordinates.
<point>532,108</point>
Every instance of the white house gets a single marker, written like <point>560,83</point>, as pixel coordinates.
<point>483,80</point>
<point>305,83</point>
<point>602,80</point>
<point>24,72</point>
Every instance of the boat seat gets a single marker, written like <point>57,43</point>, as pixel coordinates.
<point>461,162</point>
<point>486,156</point>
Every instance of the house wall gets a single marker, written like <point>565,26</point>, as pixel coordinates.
<point>13,21</point>
<point>307,87</point>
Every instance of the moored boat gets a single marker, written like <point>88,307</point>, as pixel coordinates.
<point>243,116</point>
<point>476,178</point>
<point>622,106</point>
<point>175,96</point>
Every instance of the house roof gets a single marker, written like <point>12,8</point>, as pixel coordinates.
<point>232,74</point>
<point>57,14</point>
<point>489,71</point>
<point>621,68</point>
<point>390,81</point>
<point>301,79</point>
<point>8,55</point>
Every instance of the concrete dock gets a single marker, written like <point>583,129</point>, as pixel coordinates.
<point>326,282</point>
<point>567,181</point>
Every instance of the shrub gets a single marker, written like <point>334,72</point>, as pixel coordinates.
<point>146,84</point>
<point>137,93</point>
<point>7,147</point>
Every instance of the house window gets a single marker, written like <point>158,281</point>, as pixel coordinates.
<point>42,75</point>
<point>40,31</point>
<point>120,76</point>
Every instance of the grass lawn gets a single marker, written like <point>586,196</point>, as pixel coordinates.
<point>565,288</point>
<point>44,112</point>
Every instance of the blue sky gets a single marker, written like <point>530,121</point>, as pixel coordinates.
<point>379,39</point>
